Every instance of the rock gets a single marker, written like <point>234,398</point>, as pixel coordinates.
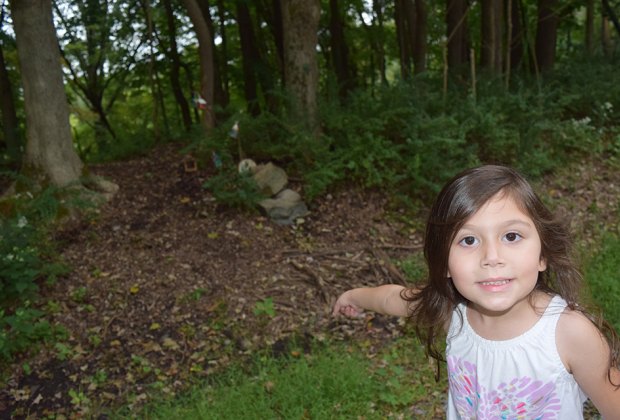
<point>285,207</point>
<point>270,179</point>
<point>247,166</point>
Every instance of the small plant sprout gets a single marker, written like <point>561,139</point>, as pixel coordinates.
<point>265,308</point>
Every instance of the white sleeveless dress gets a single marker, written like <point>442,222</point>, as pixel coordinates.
<point>520,378</point>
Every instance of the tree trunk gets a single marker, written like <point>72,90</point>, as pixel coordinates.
<point>205,51</point>
<point>146,8</point>
<point>517,36</point>
<point>606,37</point>
<point>220,94</point>
<point>175,65</point>
<point>546,35</point>
<point>50,158</point>
<point>249,57</point>
<point>10,124</point>
<point>403,38</point>
<point>456,20</point>
<point>300,20</point>
<point>420,37</point>
<point>274,21</point>
<point>222,91</point>
<point>589,28</point>
<point>379,42</point>
<point>611,15</point>
<point>49,150</point>
<point>339,50</point>
<point>491,48</point>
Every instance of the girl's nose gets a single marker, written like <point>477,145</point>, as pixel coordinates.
<point>491,255</point>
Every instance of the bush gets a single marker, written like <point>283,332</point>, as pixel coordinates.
<point>26,258</point>
<point>406,138</point>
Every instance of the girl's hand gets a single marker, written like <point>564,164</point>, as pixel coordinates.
<point>345,306</point>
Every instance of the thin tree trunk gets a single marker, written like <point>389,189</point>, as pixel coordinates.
<point>220,96</point>
<point>339,50</point>
<point>205,52</point>
<point>10,123</point>
<point>605,36</point>
<point>421,32</point>
<point>546,34</point>
<point>609,12</point>
<point>456,19</point>
<point>403,39</point>
<point>146,7</point>
<point>517,35</point>
<point>379,44</point>
<point>589,28</point>
<point>249,57</point>
<point>491,50</point>
<point>300,23</point>
<point>175,65</point>
<point>221,59</point>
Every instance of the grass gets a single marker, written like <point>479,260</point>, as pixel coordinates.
<point>602,278</point>
<point>332,381</point>
<point>340,381</point>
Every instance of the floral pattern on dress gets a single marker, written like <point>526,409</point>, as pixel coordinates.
<point>519,398</point>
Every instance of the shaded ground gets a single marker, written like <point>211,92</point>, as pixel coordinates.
<point>167,287</point>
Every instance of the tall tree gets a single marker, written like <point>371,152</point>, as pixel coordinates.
<point>10,123</point>
<point>205,53</point>
<point>410,17</point>
<point>300,23</point>
<point>491,55</point>
<point>152,68</point>
<point>456,26</point>
<point>421,32</point>
<point>249,56</point>
<point>220,88</point>
<point>49,157</point>
<point>403,36</point>
<point>517,32</point>
<point>546,35</point>
<point>175,66</point>
<point>589,27</point>
<point>611,15</point>
<point>339,49</point>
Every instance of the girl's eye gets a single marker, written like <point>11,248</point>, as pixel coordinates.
<point>512,237</point>
<point>468,241</point>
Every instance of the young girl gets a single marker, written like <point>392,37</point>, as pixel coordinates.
<point>501,283</point>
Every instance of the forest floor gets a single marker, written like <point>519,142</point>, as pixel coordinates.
<point>167,287</point>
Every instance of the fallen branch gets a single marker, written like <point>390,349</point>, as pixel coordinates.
<point>389,269</point>
<point>317,281</point>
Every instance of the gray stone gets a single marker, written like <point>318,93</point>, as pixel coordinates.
<point>270,179</point>
<point>285,207</point>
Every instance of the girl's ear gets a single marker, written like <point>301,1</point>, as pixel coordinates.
<point>542,264</point>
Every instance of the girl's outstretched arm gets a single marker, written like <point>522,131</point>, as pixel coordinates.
<point>384,299</point>
<point>586,353</point>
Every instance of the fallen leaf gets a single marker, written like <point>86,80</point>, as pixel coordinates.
<point>169,343</point>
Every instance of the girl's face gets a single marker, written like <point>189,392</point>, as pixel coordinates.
<point>495,257</point>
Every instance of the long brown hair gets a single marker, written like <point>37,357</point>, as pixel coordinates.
<point>431,306</point>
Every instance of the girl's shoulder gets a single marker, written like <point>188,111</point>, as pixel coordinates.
<point>576,334</point>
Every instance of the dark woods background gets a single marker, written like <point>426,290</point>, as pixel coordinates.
<point>384,92</point>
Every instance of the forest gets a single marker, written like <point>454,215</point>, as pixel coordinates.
<point>136,259</point>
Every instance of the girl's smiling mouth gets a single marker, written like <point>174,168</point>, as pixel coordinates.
<point>495,284</point>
